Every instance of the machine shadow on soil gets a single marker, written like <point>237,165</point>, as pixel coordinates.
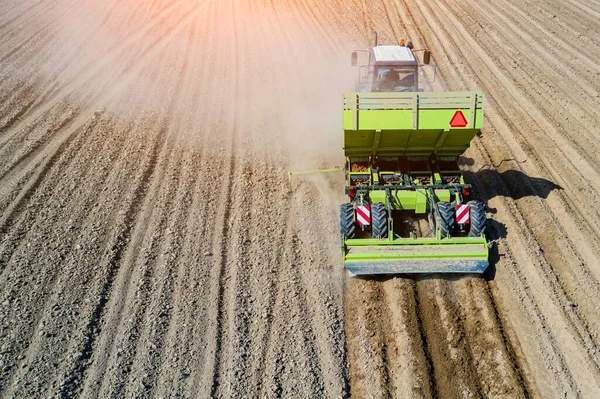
<point>510,183</point>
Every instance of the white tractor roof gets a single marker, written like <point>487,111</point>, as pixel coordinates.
<point>393,55</point>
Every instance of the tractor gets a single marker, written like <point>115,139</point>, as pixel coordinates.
<point>401,148</point>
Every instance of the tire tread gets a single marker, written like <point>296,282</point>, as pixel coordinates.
<point>447,218</point>
<point>347,224</point>
<point>477,218</point>
<point>379,220</point>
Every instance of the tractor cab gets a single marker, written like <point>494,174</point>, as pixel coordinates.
<point>392,68</point>
<point>394,79</point>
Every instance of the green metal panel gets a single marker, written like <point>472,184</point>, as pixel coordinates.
<point>404,200</point>
<point>406,124</point>
<point>377,196</point>
<point>385,119</point>
<point>409,200</point>
<point>402,119</point>
<point>401,199</point>
<point>442,195</point>
<point>421,255</point>
<point>407,142</point>
<point>421,201</point>
<point>440,118</point>
<point>366,242</point>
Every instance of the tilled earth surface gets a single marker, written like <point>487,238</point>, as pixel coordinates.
<point>149,245</point>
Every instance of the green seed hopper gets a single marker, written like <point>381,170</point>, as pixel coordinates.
<point>402,154</point>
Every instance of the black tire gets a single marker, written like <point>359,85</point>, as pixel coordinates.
<point>446,219</point>
<point>347,224</point>
<point>477,218</point>
<point>379,220</point>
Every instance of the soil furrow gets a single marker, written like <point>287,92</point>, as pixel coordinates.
<point>367,370</point>
<point>72,383</point>
<point>222,276</point>
<point>49,274</point>
<point>560,255</point>
<point>488,113</point>
<point>17,204</point>
<point>149,245</point>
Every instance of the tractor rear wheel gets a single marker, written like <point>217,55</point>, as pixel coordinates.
<point>446,220</point>
<point>347,225</point>
<point>477,216</point>
<point>379,220</point>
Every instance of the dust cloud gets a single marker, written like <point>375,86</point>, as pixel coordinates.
<point>288,85</point>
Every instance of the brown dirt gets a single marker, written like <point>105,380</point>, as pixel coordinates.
<point>149,245</point>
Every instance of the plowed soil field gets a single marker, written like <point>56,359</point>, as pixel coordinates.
<point>149,245</point>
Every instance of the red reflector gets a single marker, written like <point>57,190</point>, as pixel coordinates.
<point>458,120</point>
<point>466,190</point>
